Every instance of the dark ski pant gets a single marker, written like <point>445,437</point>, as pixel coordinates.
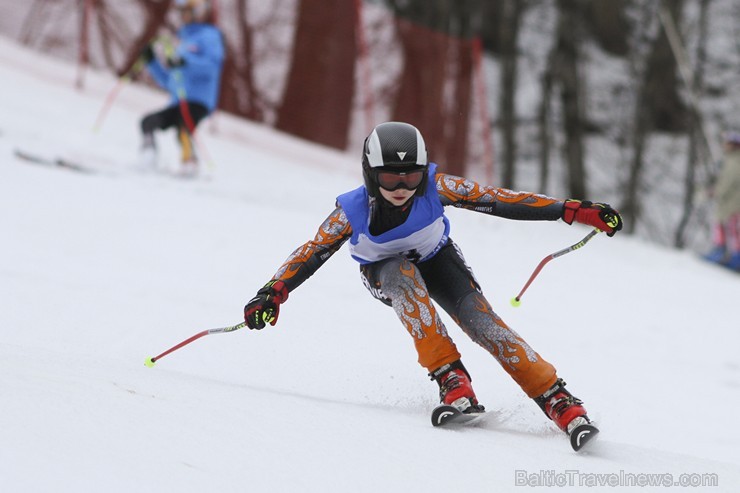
<point>410,287</point>
<point>172,117</point>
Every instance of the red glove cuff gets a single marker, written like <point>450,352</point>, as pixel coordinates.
<point>569,210</point>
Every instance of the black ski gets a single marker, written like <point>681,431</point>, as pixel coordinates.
<point>582,434</point>
<point>55,162</point>
<point>444,415</point>
<point>450,416</point>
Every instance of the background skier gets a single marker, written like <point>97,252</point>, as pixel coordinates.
<point>726,192</point>
<point>397,231</point>
<point>191,73</point>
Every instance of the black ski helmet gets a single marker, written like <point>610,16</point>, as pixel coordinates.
<point>393,146</point>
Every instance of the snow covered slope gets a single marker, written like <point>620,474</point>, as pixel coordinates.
<point>99,271</point>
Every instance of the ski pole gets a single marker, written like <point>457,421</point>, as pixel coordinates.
<point>151,360</point>
<point>188,119</point>
<point>516,301</point>
<point>122,81</point>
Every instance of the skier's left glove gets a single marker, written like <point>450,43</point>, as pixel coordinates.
<point>595,214</point>
<point>264,308</point>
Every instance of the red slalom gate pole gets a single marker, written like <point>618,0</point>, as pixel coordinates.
<point>516,301</point>
<point>151,360</point>
<point>187,118</point>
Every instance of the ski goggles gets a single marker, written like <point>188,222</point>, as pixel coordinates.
<point>393,180</point>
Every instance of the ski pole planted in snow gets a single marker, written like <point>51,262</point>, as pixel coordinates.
<point>151,360</point>
<point>133,72</point>
<point>516,301</point>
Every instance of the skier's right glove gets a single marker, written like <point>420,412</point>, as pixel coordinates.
<point>264,308</point>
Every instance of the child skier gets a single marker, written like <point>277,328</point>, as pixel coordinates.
<point>397,231</point>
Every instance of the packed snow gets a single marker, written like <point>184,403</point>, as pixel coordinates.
<point>99,271</point>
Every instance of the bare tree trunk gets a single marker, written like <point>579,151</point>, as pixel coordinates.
<point>243,92</point>
<point>156,12</point>
<point>668,110</point>
<point>508,35</point>
<point>543,122</point>
<point>608,24</point>
<point>317,102</point>
<point>631,203</point>
<point>658,107</point>
<point>696,134</point>
<point>569,38</point>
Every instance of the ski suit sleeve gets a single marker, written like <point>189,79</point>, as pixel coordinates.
<point>307,258</point>
<point>159,73</point>
<point>204,53</point>
<point>501,202</point>
<point>198,79</point>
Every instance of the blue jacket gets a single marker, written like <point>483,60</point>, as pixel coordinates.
<point>201,47</point>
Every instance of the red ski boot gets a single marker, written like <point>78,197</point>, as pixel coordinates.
<point>455,388</point>
<point>560,406</point>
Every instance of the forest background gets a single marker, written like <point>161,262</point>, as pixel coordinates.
<point>621,101</point>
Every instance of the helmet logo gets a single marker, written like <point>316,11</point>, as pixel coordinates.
<point>401,155</point>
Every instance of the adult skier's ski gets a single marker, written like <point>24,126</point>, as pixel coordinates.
<point>55,162</point>
<point>444,415</point>
<point>582,434</point>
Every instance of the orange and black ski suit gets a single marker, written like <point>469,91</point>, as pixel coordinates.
<point>409,285</point>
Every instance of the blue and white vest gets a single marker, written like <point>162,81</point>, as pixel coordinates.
<point>420,237</point>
